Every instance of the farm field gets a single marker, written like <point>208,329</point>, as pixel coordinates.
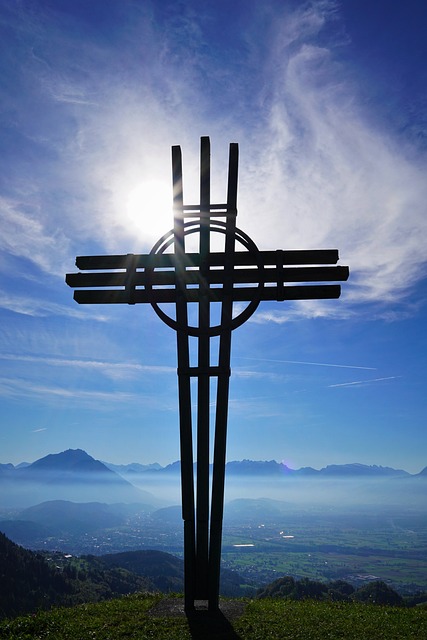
<point>356,547</point>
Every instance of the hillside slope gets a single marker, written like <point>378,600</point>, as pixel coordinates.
<point>30,583</point>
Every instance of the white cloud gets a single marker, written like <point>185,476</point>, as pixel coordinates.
<point>329,176</point>
<point>113,370</point>
<point>47,394</point>
<point>247,374</point>
<point>27,234</point>
<point>38,307</point>
<point>317,169</point>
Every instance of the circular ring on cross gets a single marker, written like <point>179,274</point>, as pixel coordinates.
<point>216,294</point>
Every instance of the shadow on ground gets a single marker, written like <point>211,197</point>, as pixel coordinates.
<point>204,624</point>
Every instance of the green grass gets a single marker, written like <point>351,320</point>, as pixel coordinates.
<point>127,618</point>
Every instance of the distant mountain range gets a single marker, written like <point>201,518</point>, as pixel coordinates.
<point>69,465</point>
<point>133,467</point>
<point>75,476</point>
<point>250,467</point>
<point>270,468</point>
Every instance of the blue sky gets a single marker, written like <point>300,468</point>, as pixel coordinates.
<point>328,103</point>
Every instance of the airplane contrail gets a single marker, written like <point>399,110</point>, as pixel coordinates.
<point>347,384</point>
<point>316,364</point>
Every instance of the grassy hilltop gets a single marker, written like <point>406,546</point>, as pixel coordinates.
<point>130,618</point>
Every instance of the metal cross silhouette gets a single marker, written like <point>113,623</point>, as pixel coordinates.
<point>214,281</point>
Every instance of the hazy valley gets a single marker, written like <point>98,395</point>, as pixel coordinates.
<point>349,522</point>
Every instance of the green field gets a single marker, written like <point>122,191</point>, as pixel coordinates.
<point>355,548</point>
<point>130,618</point>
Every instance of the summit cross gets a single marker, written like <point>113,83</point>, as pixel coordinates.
<point>170,276</point>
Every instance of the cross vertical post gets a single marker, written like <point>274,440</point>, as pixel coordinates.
<point>205,277</point>
<point>184,390</point>
<point>221,416</point>
<point>203,379</point>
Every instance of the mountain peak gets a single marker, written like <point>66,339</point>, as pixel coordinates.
<point>72,473</point>
<point>69,460</point>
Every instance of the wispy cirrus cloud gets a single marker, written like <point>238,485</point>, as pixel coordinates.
<point>38,307</point>
<point>113,370</point>
<point>81,394</point>
<point>318,168</point>
<point>26,234</point>
<point>99,399</point>
<point>330,175</point>
<point>247,374</point>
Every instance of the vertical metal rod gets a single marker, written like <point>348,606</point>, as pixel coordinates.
<point>184,390</point>
<point>218,480</point>
<point>203,381</point>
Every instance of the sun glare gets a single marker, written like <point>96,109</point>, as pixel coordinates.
<point>149,209</point>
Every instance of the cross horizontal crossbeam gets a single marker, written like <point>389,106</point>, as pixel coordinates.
<point>240,276</point>
<point>113,296</point>
<point>214,259</point>
<point>263,275</point>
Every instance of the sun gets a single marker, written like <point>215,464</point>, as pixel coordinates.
<point>149,209</point>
